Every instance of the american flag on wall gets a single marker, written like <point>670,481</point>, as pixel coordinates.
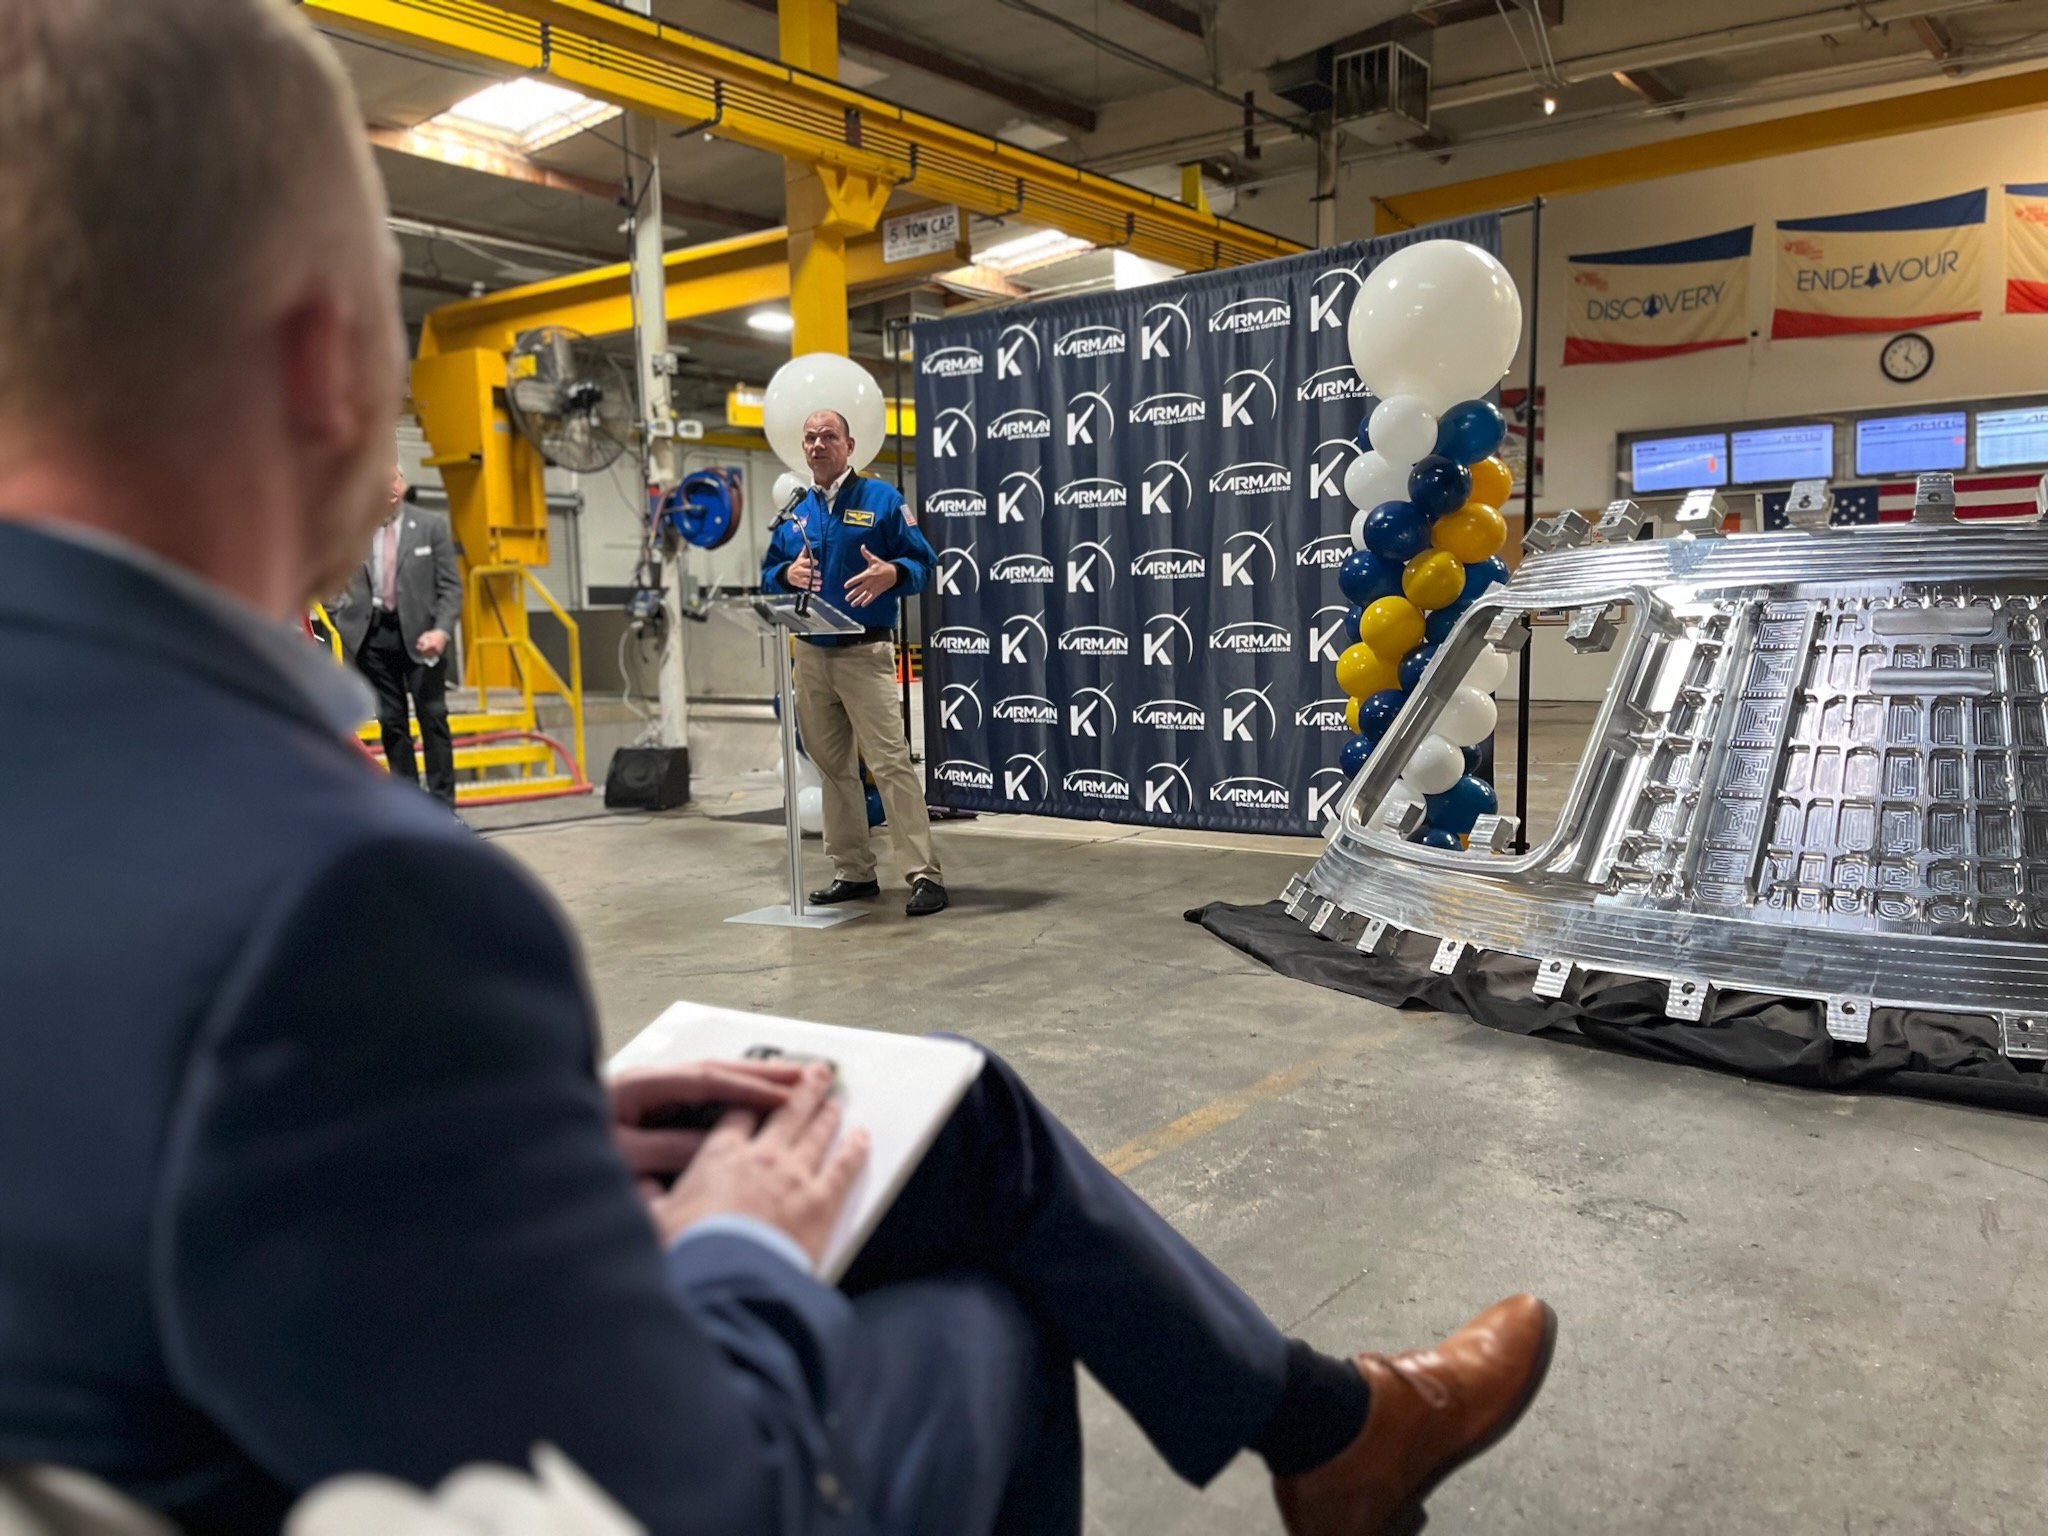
<point>1977,496</point>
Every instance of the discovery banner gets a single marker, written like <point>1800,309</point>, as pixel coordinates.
<point>1137,499</point>
<point>1659,300</point>
<point>2026,248</point>
<point>1891,269</point>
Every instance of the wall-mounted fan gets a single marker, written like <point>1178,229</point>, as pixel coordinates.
<point>570,399</point>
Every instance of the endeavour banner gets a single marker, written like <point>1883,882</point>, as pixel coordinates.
<point>2026,248</point>
<point>1892,269</point>
<point>1137,501</point>
<point>1659,300</point>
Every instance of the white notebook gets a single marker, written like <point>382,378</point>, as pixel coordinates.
<point>900,1087</point>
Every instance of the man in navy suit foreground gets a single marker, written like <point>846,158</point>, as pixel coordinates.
<point>289,1190</point>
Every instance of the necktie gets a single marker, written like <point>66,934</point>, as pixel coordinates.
<point>387,575</point>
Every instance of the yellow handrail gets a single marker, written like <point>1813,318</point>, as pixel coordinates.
<point>527,657</point>
<point>319,616</point>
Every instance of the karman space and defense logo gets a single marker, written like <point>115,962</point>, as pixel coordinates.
<point>1330,296</point>
<point>1020,771</point>
<point>955,699</point>
<point>1326,637</point>
<point>946,432</point>
<point>1240,557</point>
<point>1027,709</point>
<point>1168,788</point>
<point>1023,571</point>
<point>1160,633</point>
<point>1264,313</point>
<point>1018,490</point>
<point>1171,715</point>
<point>1244,709</point>
<point>1018,629</point>
<point>1094,640</point>
<point>1332,457</point>
<point>1087,411</point>
<point>1257,478</point>
<point>1097,784</point>
<point>965,502</point>
<point>1323,554</point>
<point>1010,348</point>
<point>1166,489</point>
<point>1085,341</point>
<point>963,773</point>
<point>1020,426</point>
<point>958,571</point>
<point>1085,706</point>
<point>1253,637</point>
<point>1157,328</point>
<point>1247,391</point>
<point>1084,561</point>
<point>1175,408</point>
<point>1340,381</point>
<point>951,362</point>
<point>1170,565</point>
<point>1323,715</point>
<point>1246,793</point>
<point>1092,493</point>
<point>1325,785</point>
<point>958,640</point>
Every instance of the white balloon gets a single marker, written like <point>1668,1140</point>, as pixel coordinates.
<point>1468,718</point>
<point>1439,320</point>
<point>823,381</point>
<point>810,811</point>
<point>1358,527</point>
<point>1372,479</point>
<point>1402,430</point>
<point>1488,672</point>
<point>1435,767</point>
<point>787,486</point>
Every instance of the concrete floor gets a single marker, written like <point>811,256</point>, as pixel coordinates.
<point>1783,1312</point>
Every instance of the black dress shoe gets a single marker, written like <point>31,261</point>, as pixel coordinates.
<point>926,897</point>
<point>845,890</point>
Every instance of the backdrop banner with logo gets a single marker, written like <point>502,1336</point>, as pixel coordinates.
<point>1137,499</point>
<point>1659,300</point>
<point>1892,269</point>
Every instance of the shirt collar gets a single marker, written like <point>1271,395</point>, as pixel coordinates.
<point>831,492</point>
<point>337,696</point>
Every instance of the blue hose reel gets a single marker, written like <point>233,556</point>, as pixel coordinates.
<point>705,509</point>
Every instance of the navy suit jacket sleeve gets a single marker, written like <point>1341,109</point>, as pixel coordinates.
<point>392,1232</point>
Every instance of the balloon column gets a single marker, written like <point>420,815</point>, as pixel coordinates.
<point>1434,327</point>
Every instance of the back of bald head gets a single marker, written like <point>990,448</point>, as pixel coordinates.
<point>172,168</point>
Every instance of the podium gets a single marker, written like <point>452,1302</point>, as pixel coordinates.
<point>779,618</point>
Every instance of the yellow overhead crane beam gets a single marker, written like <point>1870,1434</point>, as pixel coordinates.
<point>863,146</point>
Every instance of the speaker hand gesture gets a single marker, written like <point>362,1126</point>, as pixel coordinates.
<point>876,578</point>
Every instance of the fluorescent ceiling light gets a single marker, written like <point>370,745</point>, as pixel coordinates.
<point>527,114</point>
<point>1034,250</point>
<point>774,321</point>
<point>1025,134</point>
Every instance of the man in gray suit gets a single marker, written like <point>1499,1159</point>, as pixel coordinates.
<point>394,621</point>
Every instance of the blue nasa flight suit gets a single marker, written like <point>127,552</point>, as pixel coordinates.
<point>866,513</point>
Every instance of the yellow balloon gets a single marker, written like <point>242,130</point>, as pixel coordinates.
<point>1360,672</point>
<point>1351,714</point>
<point>1433,579</point>
<point>1392,626</point>
<point>1473,532</point>
<point>1491,482</point>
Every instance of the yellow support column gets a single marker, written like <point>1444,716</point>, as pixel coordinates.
<point>824,204</point>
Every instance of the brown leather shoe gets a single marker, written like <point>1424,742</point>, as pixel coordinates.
<point>1432,1411</point>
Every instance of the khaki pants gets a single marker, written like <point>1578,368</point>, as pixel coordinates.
<point>847,708</point>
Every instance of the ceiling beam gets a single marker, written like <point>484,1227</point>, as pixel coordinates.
<point>1939,42</point>
<point>1180,17</point>
<point>947,65</point>
<point>1648,84</point>
<point>1449,13</point>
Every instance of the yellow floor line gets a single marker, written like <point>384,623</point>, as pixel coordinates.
<point>1220,1112</point>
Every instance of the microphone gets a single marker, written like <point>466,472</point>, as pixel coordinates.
<point>793,489</point>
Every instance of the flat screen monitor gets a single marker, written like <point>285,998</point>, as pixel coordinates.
<point>1678,463</point>
<point>2012,437</point>
<point>1785,453</point>
<point>1905,445</point>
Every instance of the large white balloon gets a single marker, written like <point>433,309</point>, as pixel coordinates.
<point>1358,527</point>
<point>788,486</point>
<point>1488,672</point>
<point>810,810</point>
<point>1439,320</point>
<point>1468,718</point>
<point>1372,479</point>
<point>1435,767</point>
<point>823,381</point>
<point>1402,429</point>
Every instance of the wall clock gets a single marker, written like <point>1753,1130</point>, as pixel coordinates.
<point>1906,357</point>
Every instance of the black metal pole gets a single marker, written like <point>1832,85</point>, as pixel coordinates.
<point>1528,522</point>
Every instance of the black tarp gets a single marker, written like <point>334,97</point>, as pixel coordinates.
<point>1777,1039</point>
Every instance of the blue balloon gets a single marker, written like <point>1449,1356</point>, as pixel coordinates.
<point>1356,751</point>
<point>1436,629</point>
<point>1364,436</point>
<point>1396,531</point>
<point>1377,711</point>
<point>1366,577</point>
<point>1473,758</point>
<point>1470,431</point>
<point>1481,574</point>
<point>1437,837</point>
<point>1457,808</point>
<point>1351,617</point>
<point>876,815</point>
<point>1414,662</point>
<point>1438,485</point>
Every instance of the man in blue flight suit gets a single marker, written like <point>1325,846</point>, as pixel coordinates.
<point>850,541</point>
